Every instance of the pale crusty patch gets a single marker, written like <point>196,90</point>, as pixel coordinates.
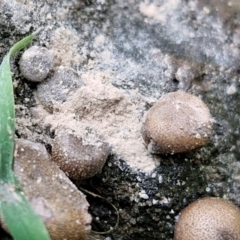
<point>63,46</point>
<point>110,112</point>
<point>158,11</point>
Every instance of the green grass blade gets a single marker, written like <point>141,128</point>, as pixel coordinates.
<point>22,43</point>
<point>7,117</point>
<point>22,222</point>
<point>19,217</point>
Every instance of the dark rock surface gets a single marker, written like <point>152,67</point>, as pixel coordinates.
<point>154,47</point>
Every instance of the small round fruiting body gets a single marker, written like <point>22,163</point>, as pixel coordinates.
<point>178,122</point>
<point>77,158</point>
<point>35,63</point>
<point>209,219</point>
<point>62,207</point>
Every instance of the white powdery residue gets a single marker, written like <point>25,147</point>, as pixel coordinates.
<point>158,11</point>
<point>143,195</point>
<point>112,114</point>
<point>100,40</point>
<point>149,10</point>
<point>231,89</point>
<point>64,47</point>
<point>101,1</point>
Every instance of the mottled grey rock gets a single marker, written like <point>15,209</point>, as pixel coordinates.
<point>57,87</point>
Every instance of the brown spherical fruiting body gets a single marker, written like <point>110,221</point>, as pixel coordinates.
<point>78,158</point>
<point>178,122</point>
<point>209,219</point>
<point>35,63</point>
<point>62,207</point>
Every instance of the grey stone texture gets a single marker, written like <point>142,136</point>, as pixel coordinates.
<point>155,47</point>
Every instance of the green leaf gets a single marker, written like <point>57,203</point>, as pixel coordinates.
<point>18,215</point>
<point>7,116</point>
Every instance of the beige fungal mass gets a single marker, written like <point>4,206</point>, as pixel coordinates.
<point>80,157</point>
<point>209,219</point>
<point>178,122</point>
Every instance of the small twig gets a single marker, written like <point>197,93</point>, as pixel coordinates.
<point>116,210</point>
